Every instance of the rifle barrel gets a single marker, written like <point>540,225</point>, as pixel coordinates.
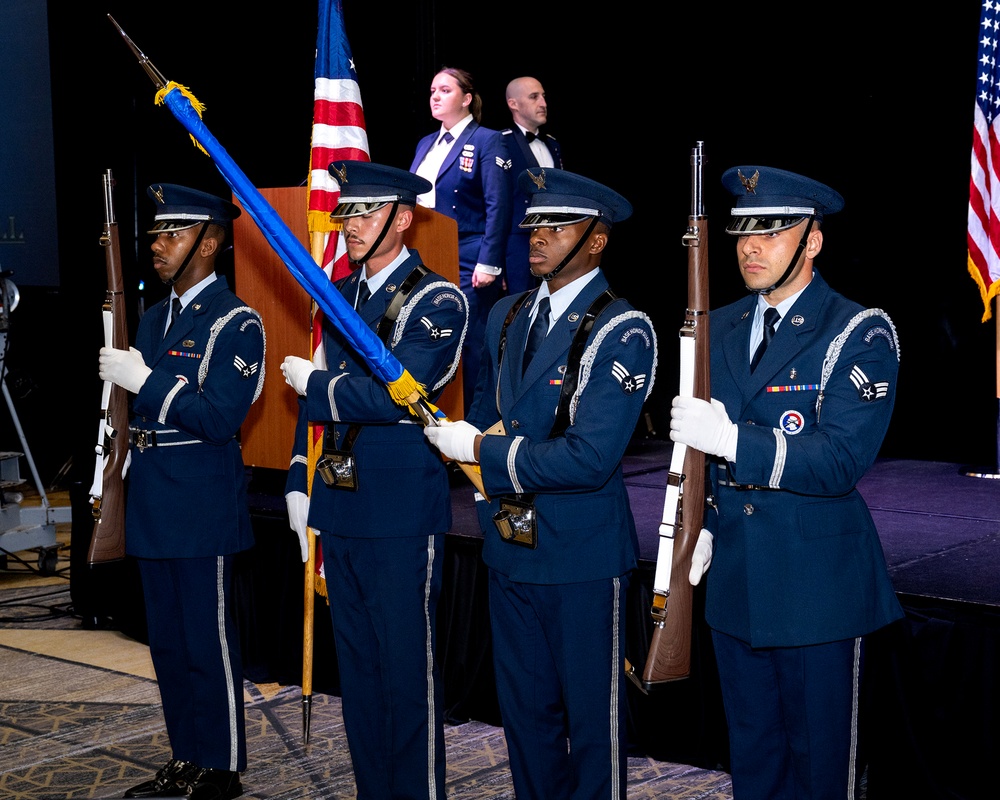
<point>107,542</point>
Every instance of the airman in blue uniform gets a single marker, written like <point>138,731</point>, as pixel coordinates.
<point>798,576</point>
<point>194,374</point>
<point>560,539</point>
<point>468,166</point>
<point>380,498</point>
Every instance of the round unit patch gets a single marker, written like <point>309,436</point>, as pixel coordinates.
<point>791,422</point>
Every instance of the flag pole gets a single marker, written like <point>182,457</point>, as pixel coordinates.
<point>337,121</point>
<point>996,325</point>
<point>309,598</point>
<point>309,595</point>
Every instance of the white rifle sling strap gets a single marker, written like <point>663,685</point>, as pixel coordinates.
<point>104,431</point>
<point>671,501</point>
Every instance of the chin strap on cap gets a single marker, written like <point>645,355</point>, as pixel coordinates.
<point>572,253</point>
<point>791,264</point>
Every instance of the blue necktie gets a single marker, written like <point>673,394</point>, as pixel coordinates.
<point>446,138</point>
<point>175,312</point>
<point>771,317</point>
<point>363,294</point>
<point>536,334</point>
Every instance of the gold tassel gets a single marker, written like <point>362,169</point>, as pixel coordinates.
<point>196,104</point>
<point>404,387</point>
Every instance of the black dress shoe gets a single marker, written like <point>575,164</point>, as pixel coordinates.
<point>215,784</point>
<point>172,780</point>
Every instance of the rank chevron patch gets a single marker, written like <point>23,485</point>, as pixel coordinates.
<point>867,390</point>
<point>629,383</point>
<point>434,331</point>
<point>245,369</point>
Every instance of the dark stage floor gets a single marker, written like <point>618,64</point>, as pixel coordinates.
<point>940,528</point>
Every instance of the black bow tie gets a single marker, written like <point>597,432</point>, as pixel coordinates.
<point>532,136</point>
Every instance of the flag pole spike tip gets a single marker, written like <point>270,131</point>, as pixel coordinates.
<point>157,77</point>
<point>306,716</point>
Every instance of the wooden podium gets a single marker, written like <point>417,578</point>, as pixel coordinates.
<point>264,283</point>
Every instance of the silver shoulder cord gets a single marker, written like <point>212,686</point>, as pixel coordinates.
<point>833,351</point>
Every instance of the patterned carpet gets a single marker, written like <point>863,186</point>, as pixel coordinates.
<point>80,718</point>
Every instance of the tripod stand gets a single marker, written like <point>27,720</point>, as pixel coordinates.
<point>32,528</point>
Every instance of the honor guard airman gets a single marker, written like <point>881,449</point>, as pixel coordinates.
<point>196,368</point>
<point>803,385</point>
<point>567,369</point>
<point>381,499</point>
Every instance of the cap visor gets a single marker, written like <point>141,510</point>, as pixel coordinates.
<point>551,220</point>
<point>746,226</point>
<point>174,225</point>
<point>350,209</point>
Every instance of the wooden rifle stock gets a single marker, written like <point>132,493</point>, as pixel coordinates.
<point>669,656</point>
<point>107,543</point>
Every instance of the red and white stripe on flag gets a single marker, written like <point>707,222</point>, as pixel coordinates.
<point>984,182</point>
<point>338,133</point>
<point>338,130</point>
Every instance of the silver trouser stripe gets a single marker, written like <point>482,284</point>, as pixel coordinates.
<point>616,671</point>
<point>227,666</point>
<point>429,654</point>
<point>852,765</point>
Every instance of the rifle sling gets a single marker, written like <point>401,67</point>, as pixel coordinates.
<point>384,329</point>
<point>572,376</point>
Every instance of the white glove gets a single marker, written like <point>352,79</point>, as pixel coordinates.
<point>298,515</point>
<point>701,558</point>
<point>456,440</point>
<point>297,371</point>
<point>703,426</point>
<point>123,367</point>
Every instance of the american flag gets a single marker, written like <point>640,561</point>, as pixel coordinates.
<point>338,132</point>
<point>984,184</point>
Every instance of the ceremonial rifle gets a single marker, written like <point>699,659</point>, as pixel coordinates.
<point>107,543</point>
<point>669,656</point>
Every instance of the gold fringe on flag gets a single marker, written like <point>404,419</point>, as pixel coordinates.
<point>196,104</point>
<point>405,389</point>
<point>987,292</point>
<point>317,220</point>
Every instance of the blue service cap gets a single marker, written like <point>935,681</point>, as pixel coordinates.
<point>180,207</point>
<point>770,200</point>
<point>558,197</point>
<point>366,187</point>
